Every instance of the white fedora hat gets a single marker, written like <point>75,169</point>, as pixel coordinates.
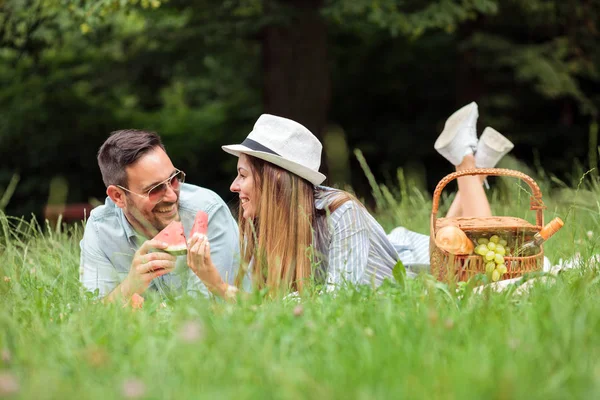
<point>285,143</point>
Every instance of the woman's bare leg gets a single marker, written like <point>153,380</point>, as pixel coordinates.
<point>470,201</point>
<point>455,209</point>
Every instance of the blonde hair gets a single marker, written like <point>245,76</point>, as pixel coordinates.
<point>279,238</point>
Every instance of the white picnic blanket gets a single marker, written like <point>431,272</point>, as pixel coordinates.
<point>575,262</point>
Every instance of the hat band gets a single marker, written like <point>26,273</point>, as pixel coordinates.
<point>251,144</point>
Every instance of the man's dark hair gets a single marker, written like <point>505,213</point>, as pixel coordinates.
<point>122,149</point>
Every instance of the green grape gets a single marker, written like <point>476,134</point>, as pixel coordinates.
<point>490,266</point>
<point>500,249</point>
<point>491,246</point>
<point>490,255</point>
<point>499,258</point>
<point>482,241</point>
<point>482,250</point>
<point>502,269</point>
<point>495,239</point>
<point>495,275</point>
<point>503,242</point>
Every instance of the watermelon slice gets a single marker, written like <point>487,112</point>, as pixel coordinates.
<point>174,237</point>
<point>200,224</point>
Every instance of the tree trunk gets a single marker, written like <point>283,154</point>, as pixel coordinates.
<point>296,71</point>
<point>469,85</point>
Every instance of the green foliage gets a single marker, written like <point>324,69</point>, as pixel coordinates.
<point>399,273</point>
<point>65,91</point>
<point>417,339</point>
<point>550,68</point>
<point>73,71</point>
<point>408,18</point>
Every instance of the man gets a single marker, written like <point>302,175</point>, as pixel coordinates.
<point>145,193</point>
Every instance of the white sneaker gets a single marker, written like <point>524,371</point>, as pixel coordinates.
<point>459,137</point>
<point>491,148</point>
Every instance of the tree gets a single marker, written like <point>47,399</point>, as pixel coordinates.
<point>200,72</point>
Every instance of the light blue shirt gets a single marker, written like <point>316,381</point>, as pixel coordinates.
<point>110,242</point>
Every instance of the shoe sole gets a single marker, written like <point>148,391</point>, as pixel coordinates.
<point>453,125</point>
<point>495,140</point>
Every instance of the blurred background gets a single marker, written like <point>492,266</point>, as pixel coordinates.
<point>378,76</point>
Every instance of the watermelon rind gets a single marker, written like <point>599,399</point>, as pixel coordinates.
<point>179,250</point>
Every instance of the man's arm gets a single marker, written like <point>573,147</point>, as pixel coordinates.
<point>122,291</point>
<point>144,268</point>
<point>97,272</point>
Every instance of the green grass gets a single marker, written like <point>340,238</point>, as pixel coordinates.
<point>416,340</point>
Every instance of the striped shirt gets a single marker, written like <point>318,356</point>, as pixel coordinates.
<point>354,247</point>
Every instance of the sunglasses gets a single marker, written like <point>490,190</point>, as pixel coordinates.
<point>157,192</point>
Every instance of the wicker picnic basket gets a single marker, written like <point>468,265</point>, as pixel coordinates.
<point>449,267</point>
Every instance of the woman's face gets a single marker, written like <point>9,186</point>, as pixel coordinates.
<point>243,185</point>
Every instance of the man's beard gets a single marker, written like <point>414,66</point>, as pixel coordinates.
<point>148,222</point>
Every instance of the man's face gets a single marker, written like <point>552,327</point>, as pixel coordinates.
<point>151,169</point>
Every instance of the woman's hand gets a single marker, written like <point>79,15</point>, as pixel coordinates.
<point>198,259</point>
<point>198,255</point>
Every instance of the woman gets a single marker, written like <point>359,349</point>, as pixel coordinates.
<point>292,230</point>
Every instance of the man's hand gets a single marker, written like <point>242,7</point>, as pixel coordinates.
<point>146,266</point>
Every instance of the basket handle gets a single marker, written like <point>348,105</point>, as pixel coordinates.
<point>535,201</point>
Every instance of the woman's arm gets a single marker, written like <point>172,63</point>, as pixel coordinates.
<point>349,248</point>
<point>199,261</point>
